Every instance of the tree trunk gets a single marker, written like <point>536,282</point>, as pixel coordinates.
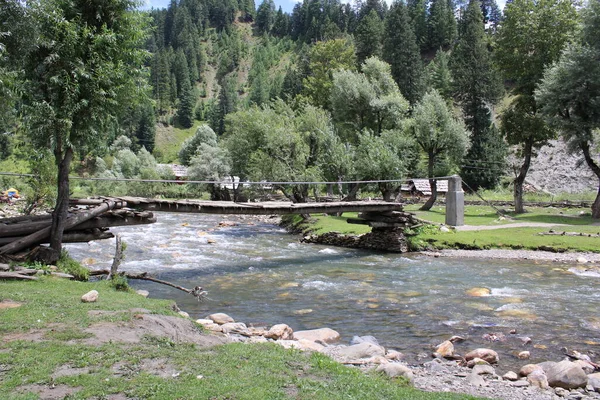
<point>585,147</point>
<point>60,213</point>
<point>520,179</point>
<point>353,191</point>
<point>432,183</point>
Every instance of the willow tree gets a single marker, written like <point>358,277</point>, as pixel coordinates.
<point>87,66</point>
<point>443,139</point>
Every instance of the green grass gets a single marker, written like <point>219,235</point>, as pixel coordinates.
<point>233,371</point>
<point>321,223</point>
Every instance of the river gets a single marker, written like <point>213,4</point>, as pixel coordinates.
<point>259,274</point>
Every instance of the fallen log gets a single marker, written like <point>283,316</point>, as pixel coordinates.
<point>579,234</point>
<point>37,237</point>
<point>70,237</point>
<point>16,276</point>
<point>106,220</point>
<point>197,292</point>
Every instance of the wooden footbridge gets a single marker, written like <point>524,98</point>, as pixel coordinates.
<point>249,208</point>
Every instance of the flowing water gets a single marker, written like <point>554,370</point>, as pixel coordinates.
<point>259,274</point>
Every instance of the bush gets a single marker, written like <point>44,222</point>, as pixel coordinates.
<point>70,266</point>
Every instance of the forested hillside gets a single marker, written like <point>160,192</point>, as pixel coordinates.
<point>330,92</point>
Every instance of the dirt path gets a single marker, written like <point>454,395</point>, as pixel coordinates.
<point>513,225</point>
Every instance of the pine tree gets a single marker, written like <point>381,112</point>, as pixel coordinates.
<point>265,16</point>
<point>146,129</point>
<point>227,103</point>
<point>368,37</point>
<point>187,101</point>
<point>400,50</point>
<point>478,87</point>
<point>441,24</point>
<point>281,25</point>
<point>417,10</point>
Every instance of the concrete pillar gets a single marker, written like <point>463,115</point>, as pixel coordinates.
<point>455,202</point>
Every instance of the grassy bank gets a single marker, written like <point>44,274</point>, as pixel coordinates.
<point>529,238</point>
<point>46,344</point>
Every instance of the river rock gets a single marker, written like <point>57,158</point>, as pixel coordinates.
<point>325,335</point>
<point>144,293</point>
<point>309,345</point>
<point>484,370</point>
<point>475,380</point>
<point>220,318</point>
<point>538,379</point>
<point>528,369</point>
<point>394,370</point>
<point>445,349</point>
<point>524,355</point>
<point>394,355</point>
<point>183,314</point>
<point>485,354</point>
<point>90,297</point>
<point>594,381</point>
<point>566,374</point>
<point>478,292</point>
<point>280,332</point>
<point>236,327</point>
<point>510,376</point>
<point>476,361</point>
<point>361,350</point>
<point>582,260</point>
<point>585,366</point>
<point>362,339</point>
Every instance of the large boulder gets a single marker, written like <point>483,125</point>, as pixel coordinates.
<point>280,332</point>
<point>485,354</point>
<point>220,318</point>
<point>567,375</point>
<point>325,335</point>
<point>236,327</point>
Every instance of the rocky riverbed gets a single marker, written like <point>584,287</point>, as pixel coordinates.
<point>442,371</point>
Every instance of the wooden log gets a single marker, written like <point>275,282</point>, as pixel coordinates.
<point>71,237</point>
<point>117,259</point>
<point>106,220</point>
<point>16,276</point>
<point>37,237</point>
<point>197,292</point>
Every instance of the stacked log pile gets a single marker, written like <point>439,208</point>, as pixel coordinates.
<point>83,225</point>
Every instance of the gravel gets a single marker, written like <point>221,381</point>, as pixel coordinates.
<point>517,255</point>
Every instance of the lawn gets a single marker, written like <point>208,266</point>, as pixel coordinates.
<point>52,311</point>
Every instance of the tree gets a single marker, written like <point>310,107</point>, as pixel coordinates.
<point>401,51</point>
<point>441,24</point>
<point>530,38</point>
<point>78,80</point>
<point>417,10</point>
<point>569,93</point>
<point>146,128</point>
<point>439,76</point>
<point>367,100</point>
<point>442,138</point>
<point>368,37</point>
<point>203,135</point>
<point>281,26</point>
<point>325,58</point>
<point>477,88</point>
<point>185,108</point>
<point>265,16</point>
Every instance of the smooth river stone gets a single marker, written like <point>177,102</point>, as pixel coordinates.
<point>220,318</point>
<point>488,355</point>
<point>567,375</point>
<point>325,335</point>
<point>478,292</point>
<point>90,297</point>
<point>288,285</point>
<point>445,349</point>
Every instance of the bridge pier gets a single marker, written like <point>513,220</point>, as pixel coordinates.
<point>455,202</point>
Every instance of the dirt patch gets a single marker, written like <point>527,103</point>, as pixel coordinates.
<point>102,313</point>
<point>67,370</point>
<point>31,336</point>
<point>159,367</point>
<point>5,304</point>
<point>176,329</point>
<point>49,392</point>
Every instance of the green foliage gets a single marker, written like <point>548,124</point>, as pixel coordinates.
<point>326,57</point>
<point>439,77</point>
<point>401,51</point>
<point>439,134</point>
<point>204,135</point>
<point>119,282</point>
<point>70,266</point>
<point>368,37</point>
<point>441,24</point>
